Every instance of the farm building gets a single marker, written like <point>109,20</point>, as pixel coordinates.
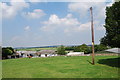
<point>75,54</point>
<point>42,53</point>
<point>47,53</point>
<point>26,53</point>
<point>114,50</point>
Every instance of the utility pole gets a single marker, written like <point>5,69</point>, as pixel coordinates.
<point>92,31</point>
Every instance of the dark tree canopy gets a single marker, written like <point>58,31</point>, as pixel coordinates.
<point>112,26</point>
<point>7,51</point>
<point>61,50</point>
<point>83,48</point>
<point>100,47</point>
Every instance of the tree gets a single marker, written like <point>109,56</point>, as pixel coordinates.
<point>100,47</point>
<point>0,52</point>
<point>112,26</point>
<point>83,48</point>
<point>69,48</point>
<point>61,50</point>
<point>7,51</point>
<point>77,49</point>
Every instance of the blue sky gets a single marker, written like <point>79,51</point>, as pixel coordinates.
<point>51,23</point>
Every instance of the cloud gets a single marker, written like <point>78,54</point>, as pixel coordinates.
<point>110,4</point>
<point>13,8</point>
<point>36,0</point>
<point>84,7</point>
<point>17,0</point>
<point>27,28</point>
<point>55,22</point>
<point>37,13</point>
<point>67,24</point>
<point>100,27</point>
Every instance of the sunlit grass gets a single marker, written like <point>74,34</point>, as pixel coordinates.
<point>60,67</point>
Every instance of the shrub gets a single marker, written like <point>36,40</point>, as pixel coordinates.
<point>61,50</point>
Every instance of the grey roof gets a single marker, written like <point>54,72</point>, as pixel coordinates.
<point>47,51</point>
<point>26,52</point>
<point>115,50</point>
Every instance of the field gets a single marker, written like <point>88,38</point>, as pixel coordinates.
<point>61,67</point>
<point>37,49</point>
<point>0,69</point>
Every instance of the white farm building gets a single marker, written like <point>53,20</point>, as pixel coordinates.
<point>75,54</point>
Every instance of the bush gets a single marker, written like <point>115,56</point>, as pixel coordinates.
<point>61,50</point>
<point>7,51</point>
<point>83,48</point>
<point>100,47</point>
<point>69,48</point>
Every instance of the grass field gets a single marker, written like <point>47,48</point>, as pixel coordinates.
<point>0,70</point>
<point>61,67</point>
<point>37,49</point>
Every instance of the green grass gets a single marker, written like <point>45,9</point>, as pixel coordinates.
<point>61,67</point>
<point>102,52</point>
<point>36,49</point>
<point>0,69</point>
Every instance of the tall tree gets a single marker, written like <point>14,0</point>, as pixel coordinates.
<point>112,25</point>
<point>61,50</point>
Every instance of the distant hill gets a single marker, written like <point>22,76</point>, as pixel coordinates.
<point>35,47</point>
<point>46,46</point>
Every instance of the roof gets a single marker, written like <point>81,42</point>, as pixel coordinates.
<point>75,53</point>
<point>47,51</point>
<point>115,50</point>
<point>26,52</point>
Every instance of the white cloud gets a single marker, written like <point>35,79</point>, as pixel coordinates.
<point>36,0</point>
<point>110,4</point>
<point>89,0</point>
<point>12,9</point>
<point>100,28</point>
<point>83,8</point>
<point>27,28</point>
<point>67,24</point>
<point>17,0</point>
<point>37,13</point>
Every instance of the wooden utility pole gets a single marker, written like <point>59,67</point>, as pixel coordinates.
<point>92,31</point>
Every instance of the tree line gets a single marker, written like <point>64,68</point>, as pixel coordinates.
<point>81,48</point>
<point>62,50</point>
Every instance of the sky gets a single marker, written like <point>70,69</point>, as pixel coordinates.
<point>30,24</point>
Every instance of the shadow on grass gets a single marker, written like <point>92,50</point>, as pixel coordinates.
<point>114,62</point>
<point>89,62</point>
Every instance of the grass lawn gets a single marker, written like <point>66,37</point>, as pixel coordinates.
<point>0,70</point>
<point>61,67</point>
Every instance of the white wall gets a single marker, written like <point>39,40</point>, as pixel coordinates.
<point>75,53</point>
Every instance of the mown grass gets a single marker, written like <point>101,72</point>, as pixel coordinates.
<point>103,52</point>
<point>0,69</point>
<point>61,67</point>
